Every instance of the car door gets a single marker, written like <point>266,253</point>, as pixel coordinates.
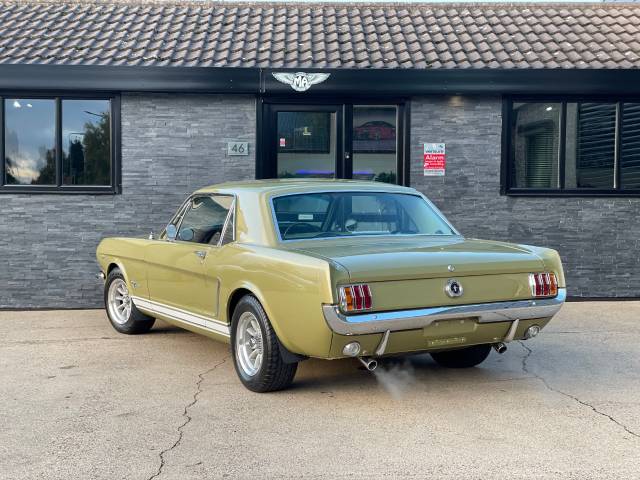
<point>176,274</point>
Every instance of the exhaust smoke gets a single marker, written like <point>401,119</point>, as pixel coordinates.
<point>396,378</point>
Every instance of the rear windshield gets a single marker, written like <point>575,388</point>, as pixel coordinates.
<point>350,214</point>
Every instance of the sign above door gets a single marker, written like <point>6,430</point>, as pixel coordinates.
<point>300,81</point>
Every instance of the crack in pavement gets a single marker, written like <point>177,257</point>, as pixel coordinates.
<point>526,370</point>
<point>186,416</point>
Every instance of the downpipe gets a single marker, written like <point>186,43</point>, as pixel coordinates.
<point>501,347</point>
<point>369,363</point>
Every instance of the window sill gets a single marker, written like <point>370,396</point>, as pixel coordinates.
<point>52,190</point>
<point>570,193</point>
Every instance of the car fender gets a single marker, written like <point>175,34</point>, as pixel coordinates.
<point>128,256</point>
<point>291,288</point>
<point>257,292</point>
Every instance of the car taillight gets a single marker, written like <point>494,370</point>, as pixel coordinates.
<point>354,298</point>
<point>543,284</point>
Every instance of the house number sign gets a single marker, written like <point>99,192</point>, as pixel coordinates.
<point>237,148</point>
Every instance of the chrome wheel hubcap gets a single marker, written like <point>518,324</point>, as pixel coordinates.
<point>119,301</point>
<point>249,345</point>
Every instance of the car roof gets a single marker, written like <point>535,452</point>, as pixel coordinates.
<point>302,185</point>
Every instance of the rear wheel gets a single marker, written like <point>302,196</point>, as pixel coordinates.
<point>463,357</point>
<point>122,313</point>
<point>256,351</point>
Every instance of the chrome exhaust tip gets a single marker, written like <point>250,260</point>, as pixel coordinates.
<point>369,363</point>
<point>531,332</point>
<point>500,347</point>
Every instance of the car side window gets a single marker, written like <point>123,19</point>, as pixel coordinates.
<point>205,219</point>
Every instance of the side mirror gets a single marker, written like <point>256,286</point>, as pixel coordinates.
<point>186,234</point>
<point>172,232</point>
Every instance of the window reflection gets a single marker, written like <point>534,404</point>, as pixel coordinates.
<point>86,142</point>
<point>534,145</point>
<point>30,129</point>
<point>306,144</point>
<point>374,143</point>
<point>205,219</point>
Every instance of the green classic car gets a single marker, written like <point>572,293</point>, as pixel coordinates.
<point>290,269</point>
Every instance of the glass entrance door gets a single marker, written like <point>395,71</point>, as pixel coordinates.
<point>305,141</point>
<point>375,143</point>
<point>360,141</point>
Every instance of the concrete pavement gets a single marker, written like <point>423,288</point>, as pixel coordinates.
<point>78,400</point>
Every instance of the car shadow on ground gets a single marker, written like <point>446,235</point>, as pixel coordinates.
<point>396,375</point>
<point>412,373</point>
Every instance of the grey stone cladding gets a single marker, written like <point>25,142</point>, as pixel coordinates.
<point>174,144</point>
<point>598,238</point>
<point>171,146</point>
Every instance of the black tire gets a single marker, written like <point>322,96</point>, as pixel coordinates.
<point>136,321</point>
<point>463,357</point>
<point>273,373</point>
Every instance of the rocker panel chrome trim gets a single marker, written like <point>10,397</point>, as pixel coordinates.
<point>152,307</point>
<point>420,318</point>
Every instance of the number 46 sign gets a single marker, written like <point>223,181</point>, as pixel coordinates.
<point>237,148</point>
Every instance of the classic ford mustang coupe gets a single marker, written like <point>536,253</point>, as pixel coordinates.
<point>290,269</point>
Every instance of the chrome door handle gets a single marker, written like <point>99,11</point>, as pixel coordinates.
<point>200,253</point>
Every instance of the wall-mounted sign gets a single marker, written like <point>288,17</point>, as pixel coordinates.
<point>435,160</point>
<point>301,81</point>
<point>237,148</point>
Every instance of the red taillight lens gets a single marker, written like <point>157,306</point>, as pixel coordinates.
<point>354,298</point>
<point>367,297</point>
<point>359,296</point>
<point>543,284</point>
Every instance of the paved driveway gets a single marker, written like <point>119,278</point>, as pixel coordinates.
<point>78,400</point>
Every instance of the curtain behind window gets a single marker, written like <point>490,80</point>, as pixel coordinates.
<point>540,157</point>
<point>630,146</point>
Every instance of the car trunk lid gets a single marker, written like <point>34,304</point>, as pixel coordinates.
<point>412,272</point>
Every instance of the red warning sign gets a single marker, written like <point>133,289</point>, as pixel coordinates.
<point>435,159</point>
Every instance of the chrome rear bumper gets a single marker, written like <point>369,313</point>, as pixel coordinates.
<point>420,318</point>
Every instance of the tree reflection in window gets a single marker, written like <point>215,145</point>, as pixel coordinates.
<point>29,130</point>
<point>86,140</point>
<point>32,135</point>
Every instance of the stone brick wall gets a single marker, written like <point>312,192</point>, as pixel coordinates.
<point>598,238</point>
<point>171,145</point>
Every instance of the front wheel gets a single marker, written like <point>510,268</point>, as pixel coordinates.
<point>256,352</point>
<point>122,313</point>
<point>463,357</point>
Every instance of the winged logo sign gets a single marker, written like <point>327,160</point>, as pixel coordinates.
<point>301,81</point>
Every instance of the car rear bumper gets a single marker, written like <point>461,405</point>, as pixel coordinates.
<point>420,318</point>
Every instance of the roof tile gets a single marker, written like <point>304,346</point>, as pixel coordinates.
<point>135,32</point>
